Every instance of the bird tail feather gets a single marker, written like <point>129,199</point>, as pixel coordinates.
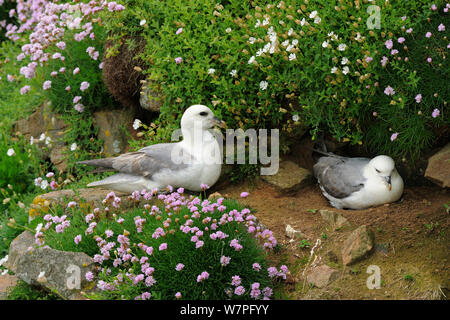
<point>105,163</point>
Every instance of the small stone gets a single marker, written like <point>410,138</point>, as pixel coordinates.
<point>438,169</point>
<point>214,195</point>
<point>357,245</point>
<point>336,220</point>
<point>289,178</point>
<point>322,276</point>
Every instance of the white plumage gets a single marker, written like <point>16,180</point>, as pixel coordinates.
<point>195,160</point>
<point>358,183</point>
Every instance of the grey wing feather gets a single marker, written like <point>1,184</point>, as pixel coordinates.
<point>145,162</point>
<point>340,176</point>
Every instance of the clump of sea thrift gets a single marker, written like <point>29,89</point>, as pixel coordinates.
<point>176,247</point>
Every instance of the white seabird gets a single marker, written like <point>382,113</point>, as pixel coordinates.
<point>194,161</point>
<point>358,183</point>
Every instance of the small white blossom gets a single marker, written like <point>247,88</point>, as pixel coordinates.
<point>10,152</point>
<point>289,48</point>
<point>251,40</point>
<point>292,56</point>
<point>345,70</point>
<point>228,30</point>
<point>317,20</point>
<point>313,14</point>
<point>333,70</point>
<point>294,42</point>
<point>44,184</point>
<point>344,60</point>
<point>290,32</point>
<point>285,43</point>
<point>42,137</point>
<point>325,44</point>
<point>136,124</point>
<point>73,147</point>
<point>233,73</point>
<point>251,60</point>
<point>303,22</point>
<point>265,21</point>
<point>48,140</point>
<point>342,47</point>
<point>211,71</point>
<point>142,22</point>
<point>295,118</point>
<point>263,85</point>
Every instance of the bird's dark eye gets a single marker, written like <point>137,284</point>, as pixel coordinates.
<point>203,113</point>
<point>377,170</point>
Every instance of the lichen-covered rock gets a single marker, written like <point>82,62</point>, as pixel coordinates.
<point>111,124</point>
<point>335,219</point>
<point>438,169</point>
<point>150,99</point>
<point>58,271</point>
<point>289,178</point>
<point>322,276</point>
<point>358,245</point>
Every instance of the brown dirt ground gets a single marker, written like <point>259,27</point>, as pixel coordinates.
<point>411,236</point>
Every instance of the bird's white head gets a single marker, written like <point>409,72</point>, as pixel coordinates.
<point>383,166</point>
<point>199,116</point>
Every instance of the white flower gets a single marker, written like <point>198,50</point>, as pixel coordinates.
<point>285,43</point>
<point>39,227</point>
<point>142,22</point>
<point>333,70</point>
<point>48,140</point>
<point>267,47</point>
<point>233,73</point>
<point>263,85</point>
<point>344,60</point>
<point>10,152</point>
<point>42,137</point>
<point>317,20</point>
<point>345,70</point>
<point>4,272</point>
<point>290,32</point>
<point>228,30</point>
<point>44,184</point>
<point>73,146</point>
<point>259,52</point>
<point>325,44</point>
<point>3,260</point>
<point>251,60</point>
<point>303,22</point>
<point>294,42</point>
<point>257,24</point>
<point>342,47</point>
<point>251,40</point>
<point>136,124</point>
<point>31,140</point>
<point>313,14</point>
<point>211,71</point>
<point>265,21</point>
<point>292,56</point>
<point>289,48</point>
<point>295,117</point>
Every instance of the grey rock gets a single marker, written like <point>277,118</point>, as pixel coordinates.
<point>438,169</point>
<point>358,245</point>
<point>60,272</point>
<point>335,219</point>
<point>6,282</point>
<point>150,99</point>
<point>322,276</point>
<point>112,126</point>
<point>289,178</point>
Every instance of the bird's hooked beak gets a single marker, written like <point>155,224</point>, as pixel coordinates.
<point>388,181</point>
<point>220,123</point>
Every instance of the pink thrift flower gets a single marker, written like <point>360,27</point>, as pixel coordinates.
<point>76,71</point>
<point>163,246</point>
<point>25,89</point>
<point>401,40</point>
<point>47,85</point>
<point>394,136</point>
<point>256,266</point>
<point>178,60</point>
<point>429,59</point>
<point>67,88</point>
<point>179,267</point>
<point>384,61</point>
<point>224,261</point>
<point>84,85</point>
<point>428,34</point>
<point>244,194</point>
<point>239,291</point>
<point>77,239</point>
<point>441,27</point>
<point>433,7</point>
<point>410,30</point>
<point>389,44</point>
<point>89,276</point>
<point>79,107</point>
<point>418,98</point>
<point>178,295</point>
<point>369,59</point>
<point>77,99</point>
<point>389,91</point>
<point>235,280</point>
<point>180,30</point>
<point>394,52</point>
<point>435,113</point>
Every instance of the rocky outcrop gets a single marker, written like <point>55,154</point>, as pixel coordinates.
<point>438,169</point>
<point>60,272</point>
<point>358,245</point>
<point>112,126</point>
<point>150,99</point>
<point>290,178</point>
